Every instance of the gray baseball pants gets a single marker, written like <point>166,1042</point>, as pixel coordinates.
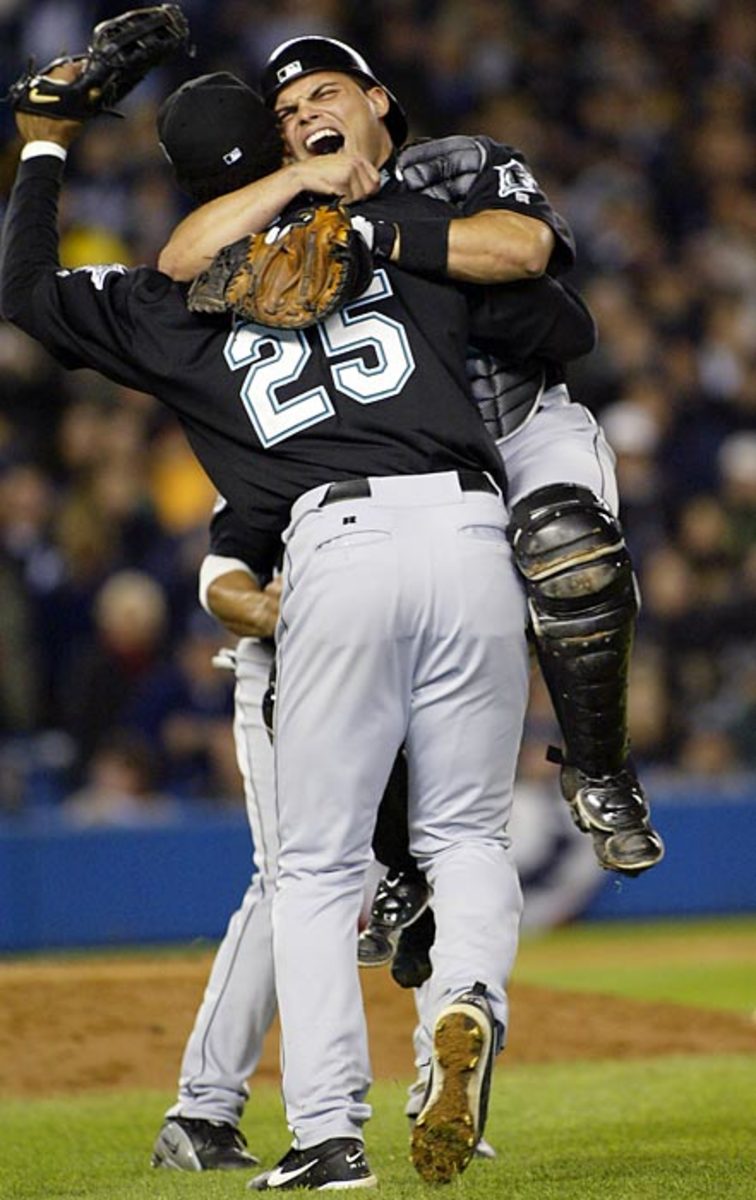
<point>403,620</point>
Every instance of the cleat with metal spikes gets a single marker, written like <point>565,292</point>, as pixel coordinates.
<point>450,1125</point>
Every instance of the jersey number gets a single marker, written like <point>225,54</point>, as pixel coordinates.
<point>277,359</point>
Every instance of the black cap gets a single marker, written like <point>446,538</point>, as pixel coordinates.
<point>215,129</point>
<point>303,56</point>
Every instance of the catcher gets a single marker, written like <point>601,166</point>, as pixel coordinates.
<point>568,541</point>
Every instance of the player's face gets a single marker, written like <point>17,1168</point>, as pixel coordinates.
<point>328,111</point>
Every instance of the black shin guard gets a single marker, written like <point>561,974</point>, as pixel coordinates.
<point>570,549</point>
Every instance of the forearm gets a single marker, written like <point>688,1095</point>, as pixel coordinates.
<point>498,247</point>
<point>196,240</point>
<point>237,602</point>
<point>490,247</point>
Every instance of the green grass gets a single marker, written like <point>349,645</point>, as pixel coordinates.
<point>611,1131</point>
<point>675,1127</point>
<point>707,964</point>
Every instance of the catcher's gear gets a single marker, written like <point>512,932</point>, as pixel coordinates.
<point>569,547</point>
<point>119,55</point>
<point>445,168</point>
<point>615,812</point>
<point>302,56</point>
<point>290,277</point>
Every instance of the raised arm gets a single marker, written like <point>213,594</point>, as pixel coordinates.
<point>30,235</point>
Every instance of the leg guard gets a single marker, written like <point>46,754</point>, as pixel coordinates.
<point>581,591</point>
<point>583,603</point>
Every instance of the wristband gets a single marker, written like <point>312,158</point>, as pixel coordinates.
<point>39,148</point>
<point>424,245</point>
<point>384,238</point>
<point>213,566</point>
<point>379,236</point>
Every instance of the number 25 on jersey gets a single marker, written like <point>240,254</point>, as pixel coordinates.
<point>277,358</point>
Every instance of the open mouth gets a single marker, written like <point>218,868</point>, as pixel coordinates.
<point>324,141</point>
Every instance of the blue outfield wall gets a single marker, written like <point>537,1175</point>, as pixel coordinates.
<point>65,888</point>
<point>61,888</point>
<point>709,866</point>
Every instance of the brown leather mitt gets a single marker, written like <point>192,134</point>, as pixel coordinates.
<point>291,276</point>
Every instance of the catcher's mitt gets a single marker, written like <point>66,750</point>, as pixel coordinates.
<point>118,57</point>
<point>289,277</point>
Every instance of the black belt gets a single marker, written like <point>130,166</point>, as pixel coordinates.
<point>358,489</point>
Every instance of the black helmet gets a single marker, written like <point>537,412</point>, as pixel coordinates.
<point>303,56</point>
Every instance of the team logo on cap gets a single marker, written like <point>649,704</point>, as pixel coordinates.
<point>292,68</point>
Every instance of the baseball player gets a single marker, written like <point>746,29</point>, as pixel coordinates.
<point>195,124</point>
<point>401,497</point>
<point>567,540</point>
<point>201,1131</point>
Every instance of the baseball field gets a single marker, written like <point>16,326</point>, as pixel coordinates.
<point>630,1072</point>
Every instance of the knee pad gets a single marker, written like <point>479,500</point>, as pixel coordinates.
<point>570,549</point>
<point>582,597</point>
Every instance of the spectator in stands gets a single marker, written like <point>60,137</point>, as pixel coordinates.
<point>640,120</point>
<point>120,788</point>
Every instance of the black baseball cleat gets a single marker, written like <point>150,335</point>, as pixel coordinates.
<point>451,1122</point>
<point>192,1144</point>
<point>614,810</point>
<point>412,965</point>
<point>376,947</point>
<point>333,1165</point>
<point>399,901</point>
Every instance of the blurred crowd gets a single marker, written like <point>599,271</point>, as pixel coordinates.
<point>638,119</point>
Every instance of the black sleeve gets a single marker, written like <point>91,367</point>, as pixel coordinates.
<point>532,318</point>
<point>231,537</point>
<point>105,316</point>
<point>30,236</point>
<point>507,182</point>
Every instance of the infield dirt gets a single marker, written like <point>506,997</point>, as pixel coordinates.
<point>72,1026</point>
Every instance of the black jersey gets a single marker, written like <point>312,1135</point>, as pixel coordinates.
<point>231,537</point>
<point>379,389</point>
<point>504,180</point>
<point>520,320</point>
